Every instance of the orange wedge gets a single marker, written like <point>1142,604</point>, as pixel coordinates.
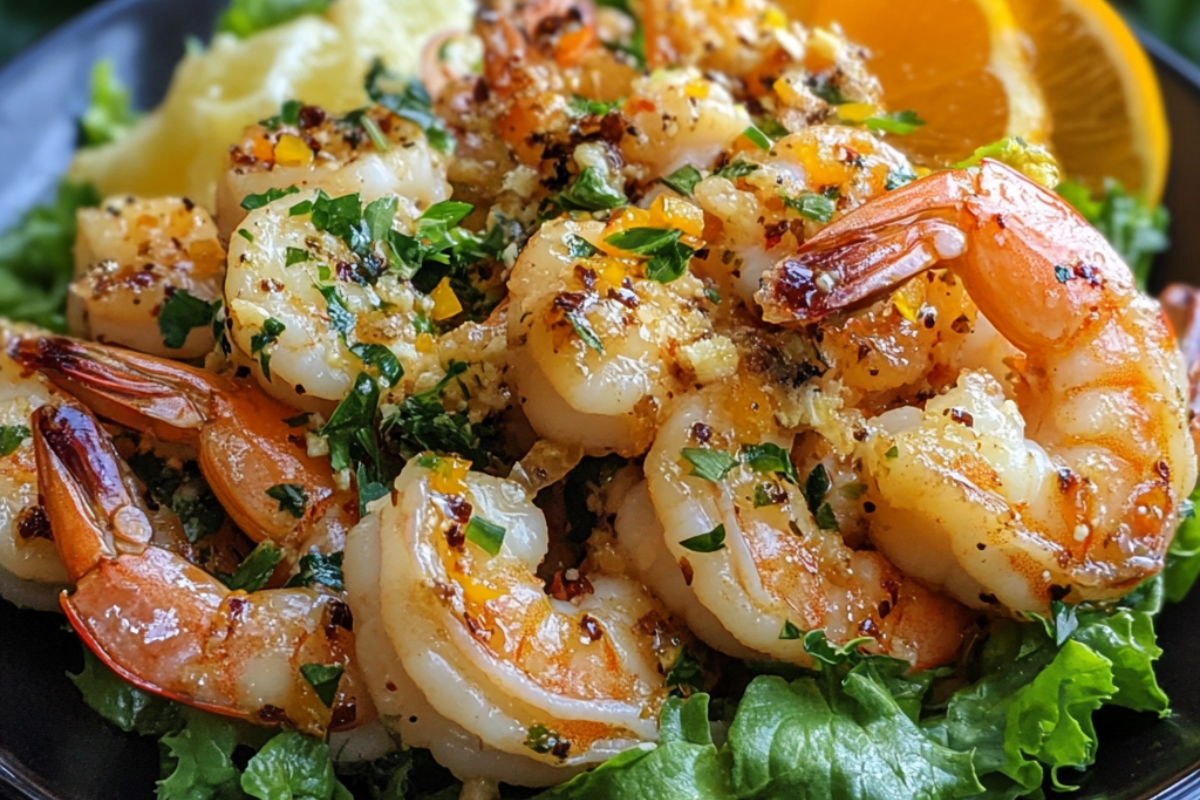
<point>1106,106</point>
<point>960,64</point>
<point>1067,73</point>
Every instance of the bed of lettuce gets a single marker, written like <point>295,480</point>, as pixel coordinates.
<point>1013,719</point>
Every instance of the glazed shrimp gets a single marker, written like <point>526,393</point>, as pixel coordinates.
<point>763,570</point>
<point>131,257</point>
<point>244,445</point>
<point>597,346</point>
<point>465,652</point>
<point>165,625</point>
<point>31,573</point>
<point>768,203</point>
<point>1071,492</point>
<point>320,151</point>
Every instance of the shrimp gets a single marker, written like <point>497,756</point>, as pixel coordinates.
<point>245,445</point>
<point>167,626</point>
<point>374,154</point>
<point>597,346</point>
<point>753,556</point>
<point>302,306</point>
<point>564,103</point>
<point>466,653</point>
<point>31,573</point>
<point>1072,491</point>
<point>768,203</point>
<point>132,257</point>
<point>799,75</point>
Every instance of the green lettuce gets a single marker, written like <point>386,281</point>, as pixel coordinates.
<point>110,113</point>
<point>1183,558</point>
<point>36,261</point>
<point>247,17</point>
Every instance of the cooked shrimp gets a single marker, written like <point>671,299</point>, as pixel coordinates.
<point>300,301</point>
<point>1071,492</point>
<point>31,573</point>
<point>597,346</point>
<point>768,203</point>
<point>244,443</point>
<point>339,156</point>
<point>165,625</point>
<point>754,557</point>
<point>796,73</point>
<point>131,257</point>
<point>466,652</point>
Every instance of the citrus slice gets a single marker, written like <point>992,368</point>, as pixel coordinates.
<point>1068,73</point>
<point>959,64</point>
<point>1103,95</point>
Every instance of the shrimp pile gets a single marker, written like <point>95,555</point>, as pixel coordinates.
<point>825,389</point>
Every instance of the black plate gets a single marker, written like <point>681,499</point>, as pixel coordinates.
<point>52,747</point>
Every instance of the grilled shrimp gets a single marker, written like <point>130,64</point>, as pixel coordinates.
<point>131,257</point>
<point>31,573</point>
<point>319,151</point>
<point>465,652</point>
<point>165,625</point>
<point>1072,491</point>
<point>244,443</point>
<point>768,203</point>
<point>752,555</point>
<point>597,345</point>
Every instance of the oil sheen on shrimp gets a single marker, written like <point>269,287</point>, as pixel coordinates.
<point>466,653</point>
<point>1072,490</point>
<point>132,256</point>
<point>752,553</point>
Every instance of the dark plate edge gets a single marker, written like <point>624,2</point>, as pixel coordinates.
<point>14,778</point>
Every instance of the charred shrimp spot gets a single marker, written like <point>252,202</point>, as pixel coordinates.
<point>456,537</point>
<point>242,372</point>
<point>685,567</point>
<point>457,508</point>
<point>33,524</point>
<point>591,628</point>
<point>272,715</point>
<point>1163,470</point>
<point>340,616</point>
<point>962,417</point>
<point>480,631</point>
<point>701,432</point>
<point>980,546</point>
<point>1067,480</point>
<point>989,599</point>
<point>1058,593</point>
<point>344,715</point>
<point>568,584</point>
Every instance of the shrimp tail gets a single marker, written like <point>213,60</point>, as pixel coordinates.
<point>86,493</point>
<point>131,389</point>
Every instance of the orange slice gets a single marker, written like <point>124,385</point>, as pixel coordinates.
<point>1104,98</point>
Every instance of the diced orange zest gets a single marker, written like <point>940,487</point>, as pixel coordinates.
<point>668,211</point>
<point>291,151</point>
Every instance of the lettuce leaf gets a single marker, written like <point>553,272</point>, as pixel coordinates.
<point>685,764</point>
<point>36,261</point>
<point>1183,557</point>
<point>293,766</point>
<point>109,114</point>
<point>200,757</point>
<point>814,738</point>
<point>121,703</point>
<point>1126,639</point>
<point>247,17</point>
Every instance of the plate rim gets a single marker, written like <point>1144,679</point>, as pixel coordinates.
<point>19,782</point>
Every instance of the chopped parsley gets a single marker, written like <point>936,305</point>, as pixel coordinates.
<point>382,360</point>
<point>543,740</point>
<point>289,114</point>
<point>269,335</point>
<point>324,679</point>
<point>816,486</point>
<point>256,570</point>
<point>811,205</point>
<point>901,176</point>
<point>582,107</point>
<point>685,677</point>
<point>368,490</point>
<point>339,316</point>
<point>584,330</point>
<point>668,256</point>
<point>736,169</point>
<point>899,123</point>
<point>825,518</point>
<point>11,437</point>
<point>181,312</point>
<point>710,465</point>
<point>590,192</point>
<point>709,542</point>
<point>579,247</point>
<point>789,632</point>
<point>770,458</point>
<point>758,138</point>
<point>296,255</point>
<point>893,452</point>
<point>488,535</point>
<point>351,427</point>
<point>183,490</point>
<point>323,569</point>
<point>411,101</point>
<point>422,423</point>
<point>683,180</point>
<point>291,497</point>
<point>254,201</point>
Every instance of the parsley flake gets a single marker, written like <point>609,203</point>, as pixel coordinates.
<point>709,542</point>
<point>254,572</point>
<point>181,312</point>
<point>899,123</point>
<point>789,632</point>
<point>253,201</point>
<point>770,458</point>
<point>710,465</point>
<point>324,679</point>
<point>683,180</point>
<point>11,437</point>
<point>291,496</point>
<point>810,205</point>
<point>590,192</point>
<point>323,569</point>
